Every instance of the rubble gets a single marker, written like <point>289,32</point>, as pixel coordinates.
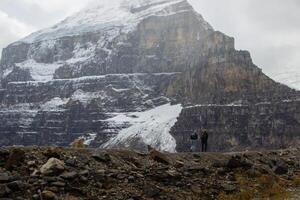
<point>142,176</point>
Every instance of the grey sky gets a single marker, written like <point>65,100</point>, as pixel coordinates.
<point>269,29</point>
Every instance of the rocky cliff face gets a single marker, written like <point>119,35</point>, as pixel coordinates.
<point>105,73</point>
<point>57,112</point>
<point>240,127</point>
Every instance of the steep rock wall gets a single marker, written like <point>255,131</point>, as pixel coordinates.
<point>234,128</point>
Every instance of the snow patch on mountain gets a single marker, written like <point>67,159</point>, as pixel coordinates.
<point>152,127</point>
<point>54,104</point>
<point>86,97</point>
<point>88,138</point>
<point>39,71</point>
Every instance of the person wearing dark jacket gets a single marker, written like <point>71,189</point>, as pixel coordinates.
<point>204,140</point>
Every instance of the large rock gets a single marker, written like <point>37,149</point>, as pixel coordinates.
<point>48,195</point>
<point>53,167</point>
<point>15,158</point>
<point>281,168</point>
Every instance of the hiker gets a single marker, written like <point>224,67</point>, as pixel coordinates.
<point>204,139</point>
<point>194,139</point>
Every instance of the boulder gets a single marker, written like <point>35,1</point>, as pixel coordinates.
<point>160,157</point>
<point>53,167</point>
<point>281,168</point>
<point>101,156</point>
<point>239,162</point>
<point>15,158</point>
<point>48,195</point>
<point>5,177</point>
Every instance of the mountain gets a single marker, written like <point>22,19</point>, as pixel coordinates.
<point>134,73</point>
<point>110,38</point>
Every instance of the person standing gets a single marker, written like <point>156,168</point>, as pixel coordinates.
<point>194,141</point>
<point>204,140</point>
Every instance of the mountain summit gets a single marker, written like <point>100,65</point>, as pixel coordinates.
<point>132,73</point>
<point>135,34</point>
<point>112,17</point>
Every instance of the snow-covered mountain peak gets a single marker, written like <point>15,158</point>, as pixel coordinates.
<point>115,16</point>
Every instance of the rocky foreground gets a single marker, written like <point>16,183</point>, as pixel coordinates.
<point>56,173</point>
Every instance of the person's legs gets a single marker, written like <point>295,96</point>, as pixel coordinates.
<point>202,146</point>
<point>206,146</point>
<point>193,146</point>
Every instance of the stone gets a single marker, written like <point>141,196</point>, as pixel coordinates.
<point>83,179</point>
<point>159,157</point>
<point>151,191</point>
<point>84,172</point>
<point>254,172</point>
<point>17,185</point>
<point>35,173</point>
<point>15,158</point>
<point>179,164</point>
<point>4,153</point>
<point>53,189</point>
<point>58,184</point>
<point>70,197</point>
<point>101,156</point>
<point>69,175</point>
<point>70,162</point>
<point>239,162</point>
<point>36,197</point>
<point>131,179</point>
<point>229,188</point>
<point>31,163</point>
<point>5,177</point>
<point>4,190</point>
<point>281,168</point>
<point>219,163</point>
<point>53,152</point>
<point>48,195</point>
<point>52,167</point>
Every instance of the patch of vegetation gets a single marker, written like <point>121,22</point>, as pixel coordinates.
<point>263,187</point>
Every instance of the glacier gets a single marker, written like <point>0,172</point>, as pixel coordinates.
<point>151,126</point>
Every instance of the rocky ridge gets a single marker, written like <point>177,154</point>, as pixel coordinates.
<point>78,174</point>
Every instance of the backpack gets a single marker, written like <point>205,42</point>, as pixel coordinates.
<point>194,136</point>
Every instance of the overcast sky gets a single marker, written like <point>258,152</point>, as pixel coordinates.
<point>269,29</point>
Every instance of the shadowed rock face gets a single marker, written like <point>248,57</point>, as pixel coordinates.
<point>225,78</point>
<point>164,52</point>
<point>236,128</point>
